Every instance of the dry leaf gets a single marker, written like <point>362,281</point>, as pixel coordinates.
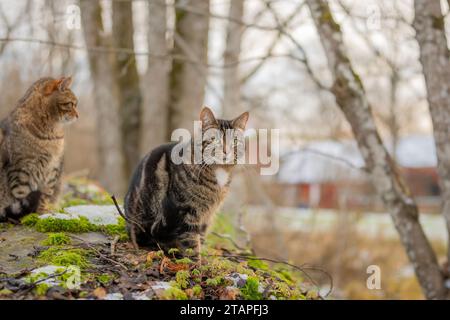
<point>164,261</point>
<point>150,256</point>
<point>229,293</point>
<point>99,293</point>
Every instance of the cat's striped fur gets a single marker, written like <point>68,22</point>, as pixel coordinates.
<point>175,203</point>
<point>32,146</point>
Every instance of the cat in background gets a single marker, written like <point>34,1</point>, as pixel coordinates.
<point>32,147</point>
<point>173,204</point>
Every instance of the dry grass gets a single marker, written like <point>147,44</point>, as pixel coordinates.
<point>346,256</point>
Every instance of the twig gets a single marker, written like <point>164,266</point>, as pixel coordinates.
<point>302,269</point>
<point>31,286</point>
<point>113,245</point>
<point>128,219</point>
<point>229,238</point>
<point>99,253</point>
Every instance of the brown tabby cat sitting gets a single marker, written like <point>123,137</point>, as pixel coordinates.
<point>173,204</point>
<point>32,147</point>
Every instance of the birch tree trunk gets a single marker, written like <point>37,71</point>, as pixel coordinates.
<point>155,87</point>
<point>232,83</point>
<point>350,97</point>
<point>188,78</point>
<point>128,83</point>
<point>111,170</point>
<point>435,59</point>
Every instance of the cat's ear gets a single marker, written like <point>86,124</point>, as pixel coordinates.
<point>207,117</point>
<point>64,83</point>
<point>241,121</point>
<point>50,87</point>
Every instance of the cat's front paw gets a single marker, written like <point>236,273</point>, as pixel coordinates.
<point>48,191</point>
<point>44,207</point>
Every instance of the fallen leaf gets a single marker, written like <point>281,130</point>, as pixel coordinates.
<point>229,293</point>
<point>175,267</point>
<point>150,256</point>
<point>164,261</point>
<point>190,293</point>
<point>99,293</point>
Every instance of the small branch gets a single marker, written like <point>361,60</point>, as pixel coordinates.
<point>128,219</point>
<point>229,238</point>
<point>101,255</point>
<point>302,268</point>
<point>114,244</point>
<point>33,285</point>
<point>131,222</point>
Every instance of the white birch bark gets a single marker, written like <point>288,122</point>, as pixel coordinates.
<point>351,98</point>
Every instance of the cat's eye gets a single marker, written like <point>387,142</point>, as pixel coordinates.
<point>67,105</point>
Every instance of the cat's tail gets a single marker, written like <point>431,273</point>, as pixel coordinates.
<point>22,207</point>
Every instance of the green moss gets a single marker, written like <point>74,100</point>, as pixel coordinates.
<point>223,266</point>
<point>56,239</point>
<point>196,272</point>
<point>251,289</point>
<point>65,257</point>
<point>105,278</point>
<point>41,289</point>
<point>30,220</point>
<point>182,278</point>
<point>258,264</point>
<point>173,251</point>
<point>184,261</point>
<point>77,225</point>
<point>197,290</point>
<point>5,292</point>
<point>214,282</point>
<point>119,229</point>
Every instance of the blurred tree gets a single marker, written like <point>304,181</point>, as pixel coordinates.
<point>189,75</point>
<point>434,56</point>
<point>232,106</point>
<point>128,83</point>
<point>351,98</point>
<point>106,95</point>
<point>155,87</point>
<point>8,27</point>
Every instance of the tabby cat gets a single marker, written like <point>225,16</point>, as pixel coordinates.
<point>171,205</point>
<point>32,146</point>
